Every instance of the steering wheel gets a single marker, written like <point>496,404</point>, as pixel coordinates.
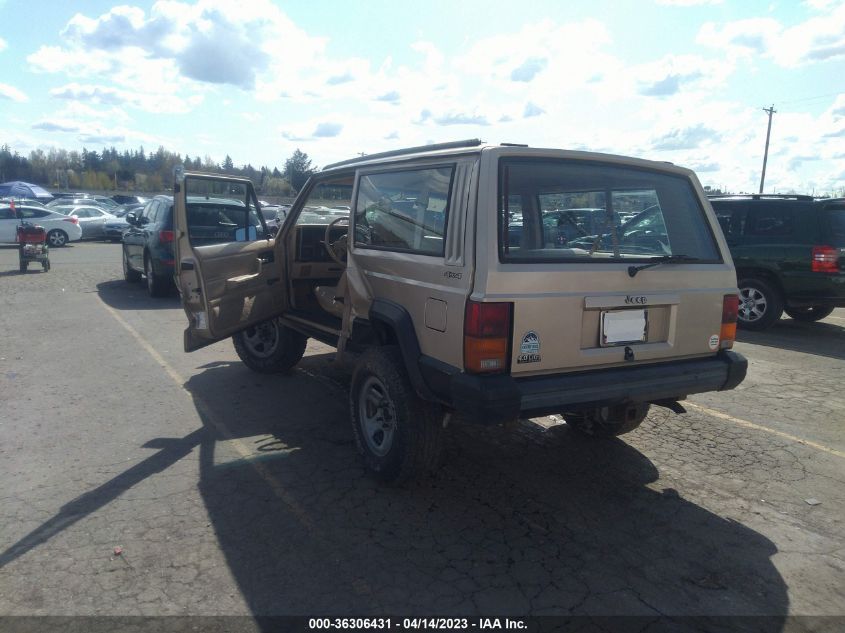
<point>339,244</point>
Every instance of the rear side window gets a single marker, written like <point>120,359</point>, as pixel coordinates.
<point>770,222</point>
<point>404,210</point>
<point>559,210</point>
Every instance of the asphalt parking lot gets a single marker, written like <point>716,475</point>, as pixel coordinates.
<point>234,493</point>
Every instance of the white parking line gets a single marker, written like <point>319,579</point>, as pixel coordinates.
<point>765,429</point>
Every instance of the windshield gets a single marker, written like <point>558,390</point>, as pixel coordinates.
<point>557,210</point>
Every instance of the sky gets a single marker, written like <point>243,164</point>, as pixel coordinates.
<point>683,81</point>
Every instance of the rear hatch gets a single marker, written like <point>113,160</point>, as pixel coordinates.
<point>646,283</point>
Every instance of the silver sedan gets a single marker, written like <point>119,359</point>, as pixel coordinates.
<point>92,220</point>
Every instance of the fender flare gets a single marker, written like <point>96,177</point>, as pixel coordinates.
<point>396,319</point>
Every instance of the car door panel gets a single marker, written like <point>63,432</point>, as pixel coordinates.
<point>229,285</point>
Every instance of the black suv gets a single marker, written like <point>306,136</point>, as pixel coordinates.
<point>148,246</point>
<point>789,253</point>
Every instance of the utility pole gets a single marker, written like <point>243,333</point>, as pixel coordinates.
<point>771,110</point>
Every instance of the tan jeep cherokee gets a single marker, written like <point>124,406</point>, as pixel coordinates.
<point>488,281</point>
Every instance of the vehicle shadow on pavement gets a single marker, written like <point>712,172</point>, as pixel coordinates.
<point>820,338</point>
<point>122,295</point>
<point>518,521</point>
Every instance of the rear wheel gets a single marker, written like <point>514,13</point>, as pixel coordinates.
<point>157,285</point>
<point>269,347</point>
<point>608,421</point>
<point>57,237</point>
<point>760,304</point>
<point>129,274</point>
<point>398,434</point>
<point>809,313</point>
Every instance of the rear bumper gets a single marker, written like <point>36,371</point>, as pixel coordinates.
<point>491,399</point>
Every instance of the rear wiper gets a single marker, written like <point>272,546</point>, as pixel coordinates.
<point>664,259</point>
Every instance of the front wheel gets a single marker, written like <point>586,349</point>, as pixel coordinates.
<point>269,347</point>
<point>809,313</point>
<point>760,304</point>
<point>606,422</point>
<point>398,434</point>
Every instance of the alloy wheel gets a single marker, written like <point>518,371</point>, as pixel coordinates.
<point>752,304</point>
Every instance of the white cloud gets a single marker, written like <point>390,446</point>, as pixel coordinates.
<point>12,94</point>
<point>687,3</point>
<point>149,101</point>
<point>690,137</point>
<point>3,44</point>
<point>816,39</point>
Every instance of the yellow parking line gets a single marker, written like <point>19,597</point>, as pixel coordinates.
<point>765,429</point>
<point>242,449</point>
<point>360,586</point>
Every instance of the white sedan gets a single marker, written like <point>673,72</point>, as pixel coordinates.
<point>60,228</point>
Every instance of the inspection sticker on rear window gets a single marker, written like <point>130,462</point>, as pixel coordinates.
<point>529,349</point>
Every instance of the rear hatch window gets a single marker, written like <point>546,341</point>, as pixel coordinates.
<point>574,211</point>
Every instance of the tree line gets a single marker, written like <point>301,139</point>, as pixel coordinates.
<point>136,170</point>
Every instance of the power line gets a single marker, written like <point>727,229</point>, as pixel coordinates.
<point>830,94</point>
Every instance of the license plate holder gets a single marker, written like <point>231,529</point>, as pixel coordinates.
<point>623,327</point>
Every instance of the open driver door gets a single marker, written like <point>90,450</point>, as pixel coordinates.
<point>226,264</point>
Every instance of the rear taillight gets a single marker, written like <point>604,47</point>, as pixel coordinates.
<point>487,332</point>
<point>72,219</point>
<point>825,259</point>
<point>165,237</point>
<point>730,308</point>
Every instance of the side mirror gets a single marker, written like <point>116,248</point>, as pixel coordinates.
<point>131,218</point>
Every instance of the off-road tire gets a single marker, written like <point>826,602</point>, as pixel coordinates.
<point>57,238</point>
<point>129,274</point>
<point>417,431</point>
<point>767,307</point>
<point>610,421</point>
<point>282,353</point>
<point>157,286</point>
<point>809,314</point>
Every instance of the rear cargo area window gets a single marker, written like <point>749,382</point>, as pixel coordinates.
<point>558,210</point>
